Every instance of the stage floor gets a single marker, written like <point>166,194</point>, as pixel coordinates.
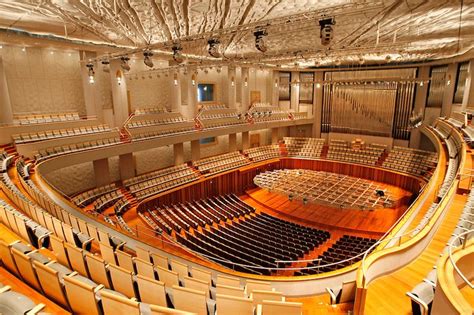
<point>353,221</point>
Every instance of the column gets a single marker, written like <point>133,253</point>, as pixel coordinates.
<point>232,142</point>
<point>449,90</point>
<point>295,91</point>
<point>245,140</point>
<point>275,88</point>
<point>6,113</point>
<point>119,93</point>
<point>101,172</point>
<point>126,166</point>
<point>90,89</point>
<point>275,135</point>
<point>178,152</point>
<point>195,150</point>
<point>317,104</point>
<point>191,107</point>
<point>231,83</point>
<point>244,89</point>
<point>468,97</point>
<point>175,81</point>
<point>420,103</point>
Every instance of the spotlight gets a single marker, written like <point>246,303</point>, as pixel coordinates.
<point>105,66</point>
<point>260,40</point>
<point>326,32</point>
<point>91,72</point>
<point>213,48</point>
<point>177,56</point>
<point>147,58</point>
<point>124,64</point>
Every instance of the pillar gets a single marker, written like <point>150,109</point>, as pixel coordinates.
<point>175,82</point>
<point>101,172</point>
<point>195,150</point>
<point>119,92</point>
<point>231,87</point>
<point>275,88</point>
<point>245,140</point>
<point>178,152</point>
<point>245,89</point>
<point>468,97</point>
<point>126,166</point>
<point>6,113</point>
<point>191,108</point>
<point>232,142</point>
<point>295,91</point>
<point>420,103</point>
<point>449,90</point>
<point>318,104</point>
<point>275,135</point>
<point>91,91</point>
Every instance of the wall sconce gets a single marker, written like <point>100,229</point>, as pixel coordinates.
<point>118,76</point>
<point>193,79</point>
<point>175,79</point>
<point>232,81</point>
<point>318,85</point>
<point>448,82</point>
<point>276,82</point>
<point>246,83</point>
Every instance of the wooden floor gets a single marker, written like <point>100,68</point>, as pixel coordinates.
<point>387,295</point>
<point>354,221</point>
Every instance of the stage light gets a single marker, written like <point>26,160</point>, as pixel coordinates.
<point>147,54</point>
<point>260,40</point>
<point>213,48</point>
<point>90,73</point>
<point>326,32</point>
<point>105,65</point>
<point>177,56</point>
<point>124,63</point>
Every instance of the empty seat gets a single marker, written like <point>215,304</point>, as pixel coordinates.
<point>279,308</point>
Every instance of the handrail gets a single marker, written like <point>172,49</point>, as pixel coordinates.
<point>450,251</point>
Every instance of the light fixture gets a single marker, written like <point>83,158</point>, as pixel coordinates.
<point>118,76</point>
<point>177,56</point>
<point>175,79</point>
<point>193,79</point>
<point>260,40</point>
<point>232,82</point>
<point>147,58</point>
<point>318,85</point>
<point>90,72</point>
<point>246,83</point>
<point>1,46</point>
<point>326,32</point>
<point>105,65</point>
<point>218,69</point>
<point>361,60</point>
<point>448,82</point>
<point>276,82</point>
<point>213,48</point>
<point>23,49</point>
<point>421,83</point>
<point>124,63</point>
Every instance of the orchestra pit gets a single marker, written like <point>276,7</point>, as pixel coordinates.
<point>232,157</point>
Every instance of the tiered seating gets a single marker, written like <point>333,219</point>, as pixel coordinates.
<point>172,130</point>
<point>347,250</point>
<point>220,163</point>
<point>105,201</point>
<point>85,198</point>
<point>170,118</point>
<point>304,147</point>
<point>12,302</point>
<point>28,119</point>
<point>76,147</point>
<point>343,151</point>
<point>468,131</point>
<point>423,293</point>
<point>458,119</point>
<point>411,161</point>
<point>263,153</point>
<point>144,186</point>
<point>58,133</point>
<point>150,110</point>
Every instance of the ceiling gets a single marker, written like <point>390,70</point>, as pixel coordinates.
<point>366,31</point>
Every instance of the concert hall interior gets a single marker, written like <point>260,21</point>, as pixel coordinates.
<point>227,157</point>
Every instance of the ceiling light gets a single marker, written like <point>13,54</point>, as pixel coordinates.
<point>260,40</point>
<point>147,58</point>
<point>213,48</point>
<point>90,73</point>
<point>326,32</point>
<point>124,63</point>
<point>177,56</point>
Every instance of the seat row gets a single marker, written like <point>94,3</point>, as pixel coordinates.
<point>86,197</point>
<point>154,174</point>
<point>154,189</point>
<point>263,153</point>
<point>58,133</point>
<point>161,179</point>
<point>44,118</point>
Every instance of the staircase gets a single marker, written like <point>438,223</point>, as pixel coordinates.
<point>131,199</point>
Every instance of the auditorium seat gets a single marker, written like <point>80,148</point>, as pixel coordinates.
<point>279,308</point>
<point>230,305</point>
<point>12,302</point>
<point>193,301</point>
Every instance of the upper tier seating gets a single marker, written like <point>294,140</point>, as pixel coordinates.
<point>220,163</point>
<point>85,198</point>
<point>27,119</point>
<point>304,147</point>
<point>344,151</point>
<point>263,153</point>
<point>411,161</point>
<point>55,134</point>
<point>150,110</point>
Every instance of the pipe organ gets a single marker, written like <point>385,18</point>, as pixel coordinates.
<point>377,103</point>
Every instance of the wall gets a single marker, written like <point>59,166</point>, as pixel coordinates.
<point>43,80</point>
<point>73,179</point>
<point>149,90</point>
<point>153,159</point>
